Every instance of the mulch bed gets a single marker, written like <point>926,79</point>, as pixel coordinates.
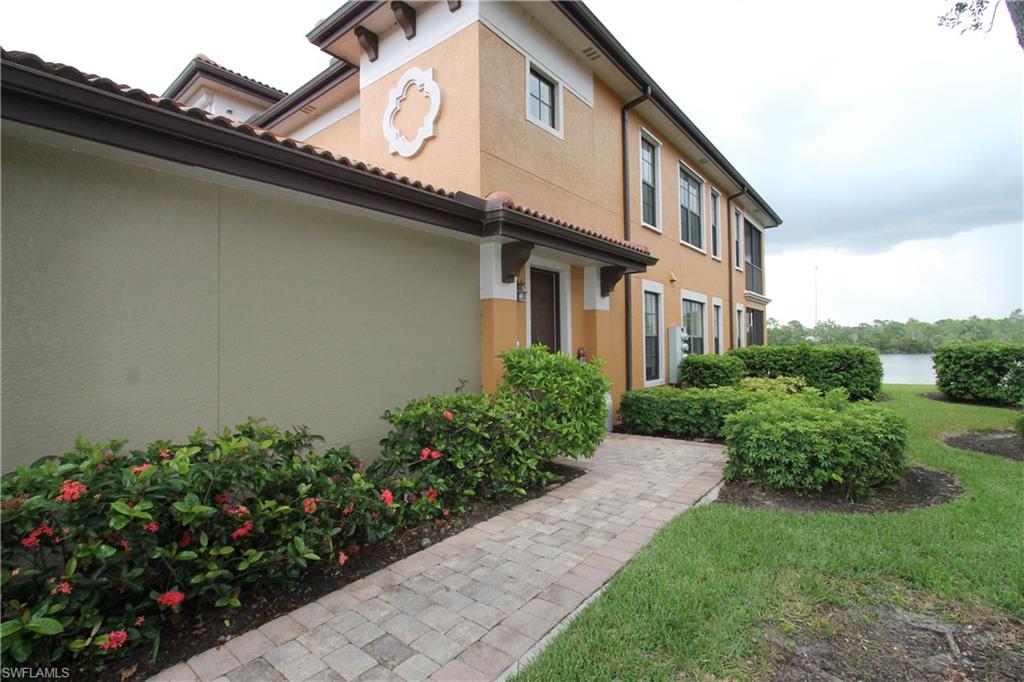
<point>920,487</point>
<point>891,644</point>
<point>1006,443</point>
<point>195,633</point>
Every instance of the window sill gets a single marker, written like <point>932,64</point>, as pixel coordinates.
<point>695,248</point>
<point>546,128</point>
<point>650,227</point>
<point>717,258</point>
<point>757,298</point>
<point>654,383</point>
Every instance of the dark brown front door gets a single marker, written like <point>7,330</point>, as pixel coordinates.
<point>544,313</point>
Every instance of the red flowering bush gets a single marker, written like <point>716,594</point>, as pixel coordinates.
<point>100,545</point>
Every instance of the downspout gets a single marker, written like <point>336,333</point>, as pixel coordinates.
<point>732,264</point>
<point>626,231</point>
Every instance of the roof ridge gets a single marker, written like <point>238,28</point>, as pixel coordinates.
<point>200,57</point>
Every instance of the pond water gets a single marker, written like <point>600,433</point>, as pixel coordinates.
<point>909,368</point>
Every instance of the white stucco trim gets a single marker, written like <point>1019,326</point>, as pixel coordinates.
<point>564,271</point>
<point>649,136</point>
<point>741,333</point>
<point>491,285</point>
<point>704,205</point>
<point>592,298</point>
<point>655,288</point>
<point>713,194</point>
<point>423,80</point>
<point>718,330</point>
<point>327,118</point>
<point>558,103</point>
<point>697,297</point>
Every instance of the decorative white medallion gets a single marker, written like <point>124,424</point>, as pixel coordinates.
<point>424,81</point>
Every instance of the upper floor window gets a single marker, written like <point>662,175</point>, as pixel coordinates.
<point>649,190</point>
<point>542,99</point>
<point>716,225</point>
<point>754,253</point>
<point>736,226</point>
<point>690,210</point>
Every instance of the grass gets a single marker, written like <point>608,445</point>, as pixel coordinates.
<point>695,602</point>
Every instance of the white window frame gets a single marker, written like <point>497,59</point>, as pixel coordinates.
<point>558,100</point>
<point>737,238</point>
<point>741,335</point>
<point>716,230</point>
<point>564,271</point>
<point>654,288</point>
<point>683,166</point>
<point>760,229</point>
<point>718,327</point>
<point>695,297</point>
<point>646,135</point>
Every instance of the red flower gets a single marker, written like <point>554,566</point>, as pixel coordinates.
<point>448,415</point>
<point>152,526</point>
<point>171,598</point>
<point>142,467</point>
<point>71,491</point>
<point>139,621</point>
<point>435,455</point>
<point>115,640</point>
<point>309,504</point>
<point>125,546</point>
<point>32,539</point>
<point>63,588</point>
<point>243,531</point>
<point>431,494</point>
<point>386,497</point>
<point>349,509</point>
<point>186,540</point>
<point>164,454</point>
<point>424,453</point>
<point>342,558</point>
<point>446,512</point>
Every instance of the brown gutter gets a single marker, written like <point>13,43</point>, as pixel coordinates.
<point>627,228</point>
<point>731,269</point>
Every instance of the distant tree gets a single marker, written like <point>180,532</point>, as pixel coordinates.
<point>970,15</point>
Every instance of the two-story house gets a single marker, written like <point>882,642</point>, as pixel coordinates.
<point>229,249</point>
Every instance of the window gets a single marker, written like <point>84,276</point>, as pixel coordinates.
<point>690,228</point>
<point>738,258</point>
<point>652,336</point>
<point>542,99</point>
<point>753,239</point>
<point>716,226</point>
<point>693,320</point>
<point>717,327</point>
<point>649,181</point>
<point>755,327</point>
<point>739,326</point>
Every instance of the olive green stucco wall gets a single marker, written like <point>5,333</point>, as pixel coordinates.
<point>141,303</point>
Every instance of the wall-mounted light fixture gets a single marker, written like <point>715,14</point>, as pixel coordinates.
<point>521,292</point>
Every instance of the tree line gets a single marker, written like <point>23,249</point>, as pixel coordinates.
<point>889,336</point>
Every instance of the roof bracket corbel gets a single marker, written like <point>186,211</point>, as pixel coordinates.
<point>368,42</point>
<point>610,276</point>
<point>513,257</point>
<point>454,5</point>
<point>405,15</point>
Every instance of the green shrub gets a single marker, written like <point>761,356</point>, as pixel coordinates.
<point>774,385</point>
<point>811,445</point>
<point>981,370</point>
<point>709,371</point>
<point>100,546</point>
<point>1019,424</point>
<point>856,368</point>
<point>682,413</point>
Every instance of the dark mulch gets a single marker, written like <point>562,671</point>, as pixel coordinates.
<point>196,633</point>
<point>1007,443</point>
<point>920,487</point>
<point>943,398</point>
<point>892,644</point>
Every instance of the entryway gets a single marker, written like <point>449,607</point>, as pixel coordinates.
<point>545,312</point>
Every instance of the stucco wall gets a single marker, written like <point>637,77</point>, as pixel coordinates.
<point>139,303</point>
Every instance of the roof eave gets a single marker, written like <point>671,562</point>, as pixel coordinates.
<point>196,68</point>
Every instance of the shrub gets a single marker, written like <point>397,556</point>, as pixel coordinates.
<point>811,444</point>
<point>709,371</point>
<point>100,545</point>
<point>774,385</point>
<point>982,370</point>
<point>1019,424</point>
<point>682,413</point>
<point>856,368</point>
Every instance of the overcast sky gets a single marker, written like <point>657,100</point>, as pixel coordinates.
<point>891,147</point>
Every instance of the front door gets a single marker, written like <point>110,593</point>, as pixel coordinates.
<point>544,313</point>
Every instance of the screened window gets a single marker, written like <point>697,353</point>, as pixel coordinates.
<point>693,320</point>
<point>716,225</point>
<point>690,210</point>
<point>652,336</point>
<point>649,181</point>
<point>739,329</point>
<point>755,273</point>
<point>738,258</point>
<point>717,322</point>
<point>542,99</point>
<point>755,327</point>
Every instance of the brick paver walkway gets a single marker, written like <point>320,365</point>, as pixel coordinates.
<point>470,606</point>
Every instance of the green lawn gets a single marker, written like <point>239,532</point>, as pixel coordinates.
<point>695,602</point>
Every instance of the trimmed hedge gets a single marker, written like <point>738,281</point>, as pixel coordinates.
<point>856,368</point>
<point>775,385</point>
<point>682,413</point>
<point>709,371</point>
<point>981,370</point>
<point>811,445</point>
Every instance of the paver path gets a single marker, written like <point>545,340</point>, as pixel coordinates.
<point>470,606</point>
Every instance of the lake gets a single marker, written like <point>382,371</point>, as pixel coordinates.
<point>910,368</point>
